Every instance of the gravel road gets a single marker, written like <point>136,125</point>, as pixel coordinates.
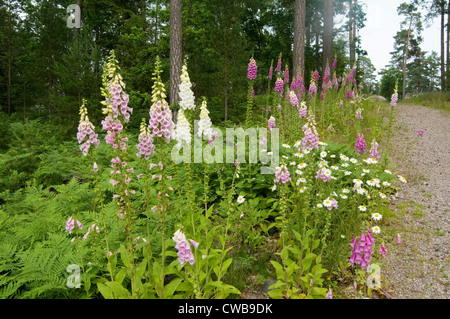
<point>419,267</point>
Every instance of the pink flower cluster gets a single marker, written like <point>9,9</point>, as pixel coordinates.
<point>70,225</point>
<point>161,120</point>
<point>286,74</point>
<point>119,101</point>
<point>279,86</point>
<point>374,150</point>
<point>114,127</point>
<point>312,89</point>
<point>87,129</point>
<point>358,114</point>
<point>145,145</point>
<point>184,249</point>
<point>325,175</point>
<point>394,99</point>
<point>252,70</point>
<point>282,174</point>
<point>293,98</point>
<point>360,144</point>
<point>271,123</point>
<point>311,135</point>
<point>362,250</point>
<point>278,68</point>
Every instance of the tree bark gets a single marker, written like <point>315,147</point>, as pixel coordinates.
<point>75,29</point>
<point>448,46</point>
<point>225,72</point>
<point>442,45</point>
<point>176,54</point>
<point>9,61</point>
<point>299,37</point>
<point>350,32</point>
<point>328,13</point>
<point>405,58</point>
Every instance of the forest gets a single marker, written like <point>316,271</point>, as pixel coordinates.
<point>98,95</point>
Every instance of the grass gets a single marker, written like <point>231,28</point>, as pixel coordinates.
<point>437,100</point>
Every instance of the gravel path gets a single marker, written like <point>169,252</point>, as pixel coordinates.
<point>419,267</point>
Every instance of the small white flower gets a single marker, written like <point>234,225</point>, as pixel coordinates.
<point>386,184</point>
<point>269,153</point>
<point>319,205</point>
<point>327,203</point>
<point>242,215</point>
<point>343,196</point>
<point>286,146</point>
<point>333,156</point>
<point>307,151</point>
<point>402,179</point>
<point>297,144</point>
<point>292,164</point>
<point>241,199</point>
<point>344,157</point>
<point>285,157</point>
<point>344,165</point>
<point>302,165</point>
<point>366,170</point>
<point>299,155</point>
<point>388,171</point>
<point>376,229</point>
<point>376,216</point>
<point>362,208</point>
<point>383,195</point>
<point>274,187</point>
<point>345,191</point>
<point>302,180</point>
<point>323,154</point>
<point>299,172</point>
<point>348,173</point>
<point>371,182</point>
<point>302,189</point>
<point>354,160</point>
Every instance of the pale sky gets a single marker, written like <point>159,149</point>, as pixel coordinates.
<point>381,26</point>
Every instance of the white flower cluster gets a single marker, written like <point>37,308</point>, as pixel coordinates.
<point>204,125</point>
<point>187,99</point>
<point>182,129</point>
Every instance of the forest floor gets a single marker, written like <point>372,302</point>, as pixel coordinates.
<point>419,267</point>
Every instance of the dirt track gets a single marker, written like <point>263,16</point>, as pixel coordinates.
<point>419,267</point>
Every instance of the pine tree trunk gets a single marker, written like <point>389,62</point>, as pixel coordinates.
<point>225,72</point>
<point>299,37</point>
<point>176,54</point>
<point>350,32</point>
<point>328,13</point>
<point>405,59</point>
<point>9,62</point>
<point>442,45</point>
<point>448,46</point>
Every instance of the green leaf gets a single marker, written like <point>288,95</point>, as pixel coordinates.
<point>171,287</point>
<point>125,256</point>
<point>121,275</point>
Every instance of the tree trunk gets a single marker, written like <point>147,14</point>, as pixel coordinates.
<point>448,46</point>
<point>328,12</point>
<point>225,72</point>
<point>176,54</point>
<point>350,33</point>
<point>9,61</point>
<point>75,29</point>
<point>405,58</point>
<point>299,37</point>
<point>442,45</point>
